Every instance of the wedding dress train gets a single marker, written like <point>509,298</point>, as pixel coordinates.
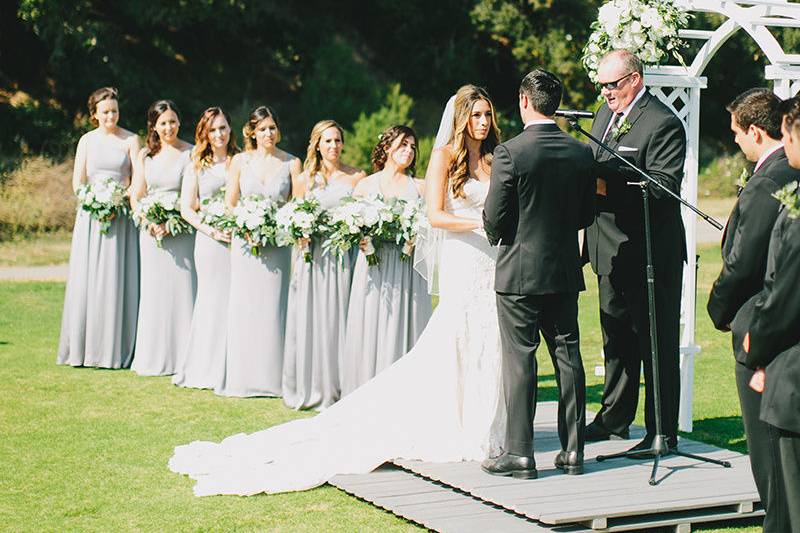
<point>440,402</point>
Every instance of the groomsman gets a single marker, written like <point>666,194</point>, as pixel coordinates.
<point>773,341</point>
<point>756,124</point>
<point>541,193</point>
<point>644,131</point>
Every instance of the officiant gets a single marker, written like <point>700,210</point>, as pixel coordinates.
<point>643,130</point>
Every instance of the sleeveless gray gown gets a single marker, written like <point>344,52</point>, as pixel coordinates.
<point>317,313</point>
<point>167,287</point>
<point>389,308</point>
<point>98,326</point>
<point>204,361</point>
<point>257,308</point>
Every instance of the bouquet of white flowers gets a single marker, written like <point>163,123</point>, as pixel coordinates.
<point>104,200</point>
<point>254,221</point>
<point>297,221</point>
<point>409,215</point>
<point>214,212</point>
<point>648,28</point>
<point>161,207</point>
<point>357,219</point>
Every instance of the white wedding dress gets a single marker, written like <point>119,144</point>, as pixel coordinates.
<point>440,402</point>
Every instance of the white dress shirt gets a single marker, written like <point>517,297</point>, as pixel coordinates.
<point>766,154</point>
<point>625,112</point>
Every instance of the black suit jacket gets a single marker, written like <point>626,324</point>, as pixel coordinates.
<point>541,194</point>
<point>744,248</point>
<point>775,327</point>
<point>656,143</point>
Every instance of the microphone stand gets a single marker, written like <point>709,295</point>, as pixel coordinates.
<point>659,447</point>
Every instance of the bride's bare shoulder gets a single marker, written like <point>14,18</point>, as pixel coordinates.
<point>445,152</point>
<point>442,156</point>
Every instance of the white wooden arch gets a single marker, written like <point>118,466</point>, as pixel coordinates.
<point>679,87</point>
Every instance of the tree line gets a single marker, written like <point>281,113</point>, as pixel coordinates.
<point>365,64</point>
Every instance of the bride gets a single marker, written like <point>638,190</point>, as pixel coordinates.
<point>442,401</point>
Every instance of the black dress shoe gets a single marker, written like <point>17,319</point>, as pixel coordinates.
<point>645,446</point>
<point>595,432</point>
<point>570,462</point>
<point>516,466</point>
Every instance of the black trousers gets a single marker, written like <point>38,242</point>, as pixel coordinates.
<point>624,319</point>
<point>789,453</point>
<point>522,318</point>
<point>762,446</point>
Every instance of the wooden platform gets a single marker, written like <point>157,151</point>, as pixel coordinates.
<point>611,496</point>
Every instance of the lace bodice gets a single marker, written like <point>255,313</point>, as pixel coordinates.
<point>471,206</point>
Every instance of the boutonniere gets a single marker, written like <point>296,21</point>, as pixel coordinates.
<point>789,198</point>
<point>744,177</point>
<point>622,128</point>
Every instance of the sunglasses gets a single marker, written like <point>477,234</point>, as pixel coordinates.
<point>612,85</point>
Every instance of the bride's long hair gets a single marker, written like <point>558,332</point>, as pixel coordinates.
<point>465,98</point>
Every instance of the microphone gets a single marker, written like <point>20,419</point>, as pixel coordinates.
<point>573,114</point>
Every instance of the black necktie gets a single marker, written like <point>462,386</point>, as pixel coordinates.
<point>614,121</point>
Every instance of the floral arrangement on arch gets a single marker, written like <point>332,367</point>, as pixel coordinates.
<point>648,28</point>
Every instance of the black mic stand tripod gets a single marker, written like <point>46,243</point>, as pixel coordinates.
<point>659,447</point>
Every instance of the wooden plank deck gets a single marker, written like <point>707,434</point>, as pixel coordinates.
<point>437,507</point>
<point>611,496</point>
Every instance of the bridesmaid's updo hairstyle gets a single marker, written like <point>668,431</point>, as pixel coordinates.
<point>381,151</point>
<point>202,153</point>
<point>249,130</point>
<point>465,100</point>
<point>153,112</point>
<point>313,162</point>
<point>103,93</point>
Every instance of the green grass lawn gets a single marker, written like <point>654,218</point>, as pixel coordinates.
<point>36,250</point>
<point>86,450</point>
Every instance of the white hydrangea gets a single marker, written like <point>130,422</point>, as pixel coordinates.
<point>648,28</point>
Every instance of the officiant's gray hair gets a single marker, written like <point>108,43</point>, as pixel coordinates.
<point>629,60</point>
<point>543,89</point>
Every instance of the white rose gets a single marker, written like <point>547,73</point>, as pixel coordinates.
<point>650,17</point>
<point>608,15</point>
<point>371,216</point>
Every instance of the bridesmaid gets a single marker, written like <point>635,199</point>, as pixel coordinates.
<point>204,360</point>
<point>167,286</point>
<point>389,303</point>
<point>259,284</point>
<point>320,291</point>
<point>98,326</point>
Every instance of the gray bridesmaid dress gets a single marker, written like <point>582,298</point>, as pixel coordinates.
<point>167,286</point>
<point>204,360</point>
<point>389,308</point>
<point>257,308</point>
<point>98,326</point>
<point>316,317</point>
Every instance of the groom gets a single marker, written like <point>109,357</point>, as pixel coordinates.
<point>541,193</point>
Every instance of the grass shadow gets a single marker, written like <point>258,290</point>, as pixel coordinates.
<point>724,431</point>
